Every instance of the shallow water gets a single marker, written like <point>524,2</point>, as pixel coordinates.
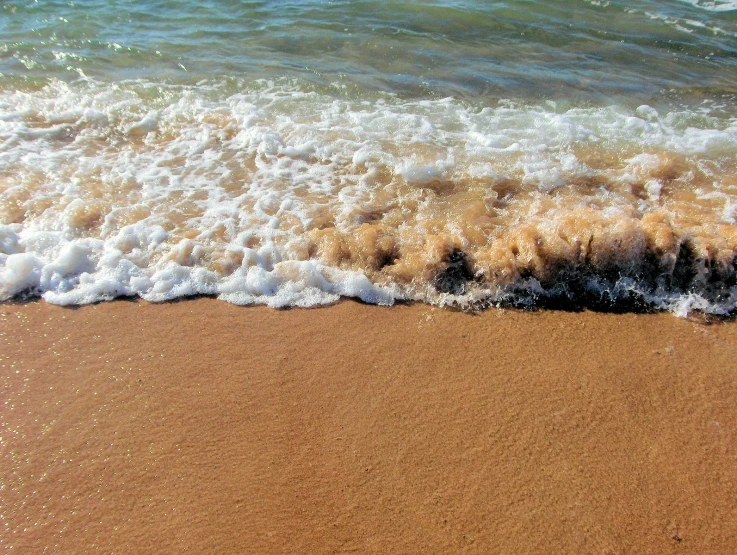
<point>450,152</point>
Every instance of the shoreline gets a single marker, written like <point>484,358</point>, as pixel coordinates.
<point>206,426</point>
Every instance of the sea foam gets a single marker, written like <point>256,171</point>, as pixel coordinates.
<point>273,193</point>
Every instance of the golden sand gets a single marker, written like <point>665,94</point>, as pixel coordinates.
<point>204,427</point>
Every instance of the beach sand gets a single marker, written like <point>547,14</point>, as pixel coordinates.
<point>199,426</point>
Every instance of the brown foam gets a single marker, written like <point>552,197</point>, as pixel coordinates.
<point>129,428</point>
<point>616,209</point>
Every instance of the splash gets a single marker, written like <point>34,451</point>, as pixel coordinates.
<point>277,194</point>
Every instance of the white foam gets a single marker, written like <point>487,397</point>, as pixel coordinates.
<point>145,126</point>
<point>713,5</point>
<point>203,171</point>
<point>304,283</point>
<point>20,272</point>
<point>9,240</point>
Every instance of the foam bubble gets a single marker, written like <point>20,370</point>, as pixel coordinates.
<point>20,272</point>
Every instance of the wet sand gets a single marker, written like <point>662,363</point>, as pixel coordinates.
<point>204,427</point>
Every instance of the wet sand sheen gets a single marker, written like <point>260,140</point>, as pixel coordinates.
<point>129,427</point>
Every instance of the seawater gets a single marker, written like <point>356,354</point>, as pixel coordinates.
<point>557,153</point>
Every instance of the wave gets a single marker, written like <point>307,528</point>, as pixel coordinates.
<point>276,193</point>
<point>713,5</point>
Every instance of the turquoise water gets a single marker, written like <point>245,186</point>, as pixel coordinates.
<point>578,51</point>
<point>290,153</point>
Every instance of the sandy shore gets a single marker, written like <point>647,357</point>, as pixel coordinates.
<point>135,428</point>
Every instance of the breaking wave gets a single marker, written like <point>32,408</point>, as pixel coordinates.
<point>281,194</point>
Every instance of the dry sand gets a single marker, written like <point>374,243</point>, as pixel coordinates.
<point>199,426</point>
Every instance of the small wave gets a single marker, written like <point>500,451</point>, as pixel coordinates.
<point>273,193</point>
<point>713,5</point>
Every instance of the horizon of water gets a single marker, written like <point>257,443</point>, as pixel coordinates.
<point>570,154</point>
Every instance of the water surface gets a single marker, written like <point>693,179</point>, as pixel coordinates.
<point>581,153</point>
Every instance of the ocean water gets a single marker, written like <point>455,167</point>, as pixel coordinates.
<point>456,152</point>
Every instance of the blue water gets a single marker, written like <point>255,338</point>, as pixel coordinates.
<point>580,51</point>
